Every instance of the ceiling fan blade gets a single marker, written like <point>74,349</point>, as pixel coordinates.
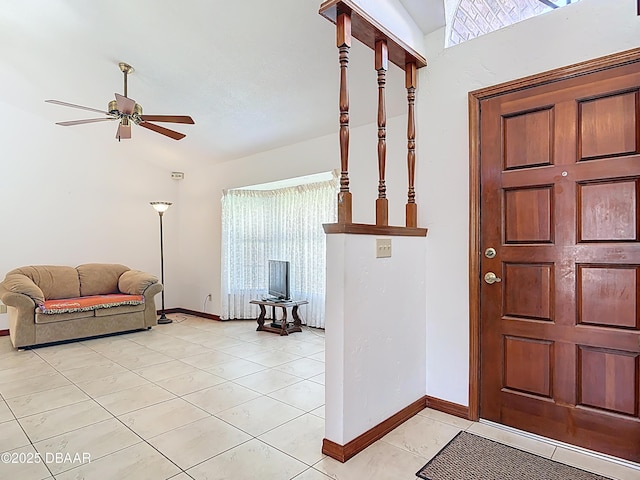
<point>124,131</point>
<point>80,122</point>
<point>164,131</point>
<point>65,104</point>
<point>168,118</point>
<point>125,105</point>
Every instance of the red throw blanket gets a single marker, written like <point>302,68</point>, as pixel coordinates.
<point>92,302</point>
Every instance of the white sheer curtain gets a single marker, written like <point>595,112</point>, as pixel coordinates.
<point>282,224</point>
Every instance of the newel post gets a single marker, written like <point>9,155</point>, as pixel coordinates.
<point>412,207</point>
<point>343,31</point>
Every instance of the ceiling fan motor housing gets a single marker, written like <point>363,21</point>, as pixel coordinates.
<point>113,109</point>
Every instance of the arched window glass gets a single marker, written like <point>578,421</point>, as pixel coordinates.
<point>473,18</point>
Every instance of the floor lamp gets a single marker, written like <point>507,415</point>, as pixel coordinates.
<point>162,207</point>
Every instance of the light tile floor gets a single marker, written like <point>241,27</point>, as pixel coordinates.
<point>200,399</point>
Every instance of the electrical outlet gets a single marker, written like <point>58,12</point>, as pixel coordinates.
<point>177,175</point>
<point>383,247</point>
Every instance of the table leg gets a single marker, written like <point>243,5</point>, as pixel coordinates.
<point>284,322</point>
<point>296,319</point>
<point>263,313</point>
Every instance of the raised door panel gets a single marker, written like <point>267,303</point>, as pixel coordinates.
<point>528,366</point>
<point>608,295</point>
<point>528,215</point>
<point>608,211</point>
<point>528,291</point>
<point>528,139</point>
<point>609,125</point>
<point>608,380</point>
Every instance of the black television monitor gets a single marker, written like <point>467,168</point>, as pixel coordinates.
<point>279,279</point>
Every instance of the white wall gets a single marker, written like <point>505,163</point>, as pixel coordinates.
<point>375,357</point>
<point>76,195</point>
<point>588,29</point>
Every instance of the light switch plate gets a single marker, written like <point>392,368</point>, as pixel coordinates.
<point>3,308</point>
<point>383,247</point>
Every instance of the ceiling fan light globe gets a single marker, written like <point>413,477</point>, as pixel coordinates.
<point>113,107</point>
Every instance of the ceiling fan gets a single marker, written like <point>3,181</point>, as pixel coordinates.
<point>127,111</point>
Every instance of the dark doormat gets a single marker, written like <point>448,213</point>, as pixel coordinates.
<point>470,457</point>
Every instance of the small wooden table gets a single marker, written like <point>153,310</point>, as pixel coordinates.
<point>283,328</point>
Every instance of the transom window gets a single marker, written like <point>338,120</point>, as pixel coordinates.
<point>473,18</point>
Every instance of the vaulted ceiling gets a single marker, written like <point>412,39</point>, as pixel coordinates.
<point>253,74</point>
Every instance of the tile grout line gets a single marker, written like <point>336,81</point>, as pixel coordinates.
<point>274,368</point>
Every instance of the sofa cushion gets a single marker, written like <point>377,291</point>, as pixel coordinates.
<point>93,302</point>
<point>106,312</point>
<point>99,278</point>
<point>61,317</point>
<point>19,283</point>
<point>55,281</point>
<point>135,282</point>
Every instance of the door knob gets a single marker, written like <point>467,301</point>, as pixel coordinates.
<point>491,277</point>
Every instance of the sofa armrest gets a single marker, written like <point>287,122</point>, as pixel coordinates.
<point>150,312</point>
<point>22,322</point>
<point>17,300</point>
<point>21,284</point>
<point>135,282</point>
<point>152,291</point>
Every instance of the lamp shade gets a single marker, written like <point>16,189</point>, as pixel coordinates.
<point>160,206</point>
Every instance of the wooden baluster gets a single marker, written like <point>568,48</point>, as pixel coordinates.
<point>410,82</point>
<point>381,65</point>
<point>343,30</point>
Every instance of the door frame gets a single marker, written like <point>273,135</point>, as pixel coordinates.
<point>475,253</point>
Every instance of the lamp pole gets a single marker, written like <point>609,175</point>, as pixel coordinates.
<point>162,207</point>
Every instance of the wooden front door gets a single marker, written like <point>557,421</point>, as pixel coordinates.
<point>560,205</point>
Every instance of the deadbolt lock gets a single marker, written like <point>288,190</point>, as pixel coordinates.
<point>490,252</point>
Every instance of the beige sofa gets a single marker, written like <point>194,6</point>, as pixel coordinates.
<point>51,303</point>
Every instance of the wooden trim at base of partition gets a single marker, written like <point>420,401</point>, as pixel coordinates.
<point>342,453</point>
<point>366,229</point>
<point>445,406</point>
<point>195,313</point>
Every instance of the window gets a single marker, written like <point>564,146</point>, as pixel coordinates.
<point>473,18</point>
<point>280,224</point>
